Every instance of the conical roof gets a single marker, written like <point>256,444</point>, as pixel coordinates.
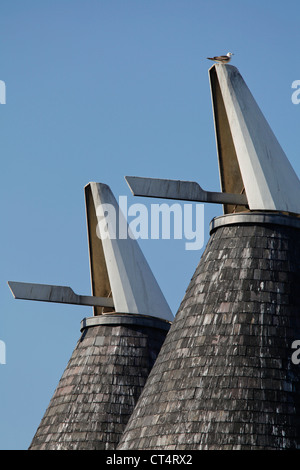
<point>225,376</point>
<point>101,383</point>
<point>118,346</point>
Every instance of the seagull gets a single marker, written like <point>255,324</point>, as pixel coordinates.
<point>222,59</point>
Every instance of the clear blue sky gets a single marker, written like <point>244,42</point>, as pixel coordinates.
<point>97,90</point>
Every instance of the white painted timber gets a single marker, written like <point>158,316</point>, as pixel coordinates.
<point>58,294</point>
<point>180,190</point>
<point>133,286</point>
<point>270,181</point>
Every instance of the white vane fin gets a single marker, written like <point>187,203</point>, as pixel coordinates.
<point>58,294</point>
<point>133,286</point>
<point>243,134</point>
<point>180,190</point>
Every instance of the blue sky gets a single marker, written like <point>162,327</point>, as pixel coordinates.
<point>96,90</point>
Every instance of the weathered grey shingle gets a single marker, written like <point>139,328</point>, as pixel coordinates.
<point>99,387</point>
<point>224,378</point>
